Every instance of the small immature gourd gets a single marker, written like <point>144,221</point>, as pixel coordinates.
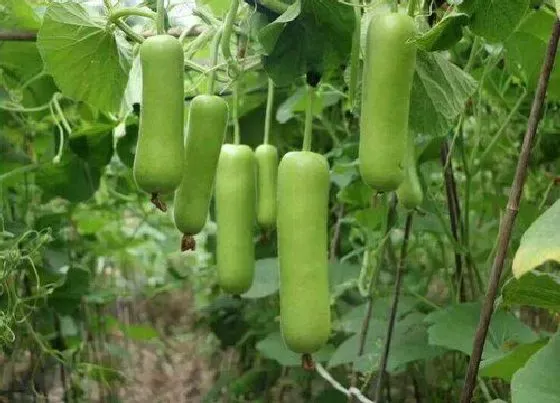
<point>235,217</point>
<point>208,118</point>
<point>267,169</point>
<point>303,199</point>
<point>158,163</point>
<point>388,71</point>
<point>410,193</point>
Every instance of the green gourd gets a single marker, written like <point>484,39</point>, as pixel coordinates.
<point>158,163</point>
<point>409,192</point>
<point>235,217</point>
<point>303,201</point>
<point>208,118</point>
<point>388,72</point>
<point>267,169</point>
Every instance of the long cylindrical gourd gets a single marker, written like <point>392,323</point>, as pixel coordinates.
<point>387,81</point>
<point>158,163</point>
<point>208,118</point>
<point>267,168</point>
<point>235,213</point>
<point>410,193</point>
<point>303,200</point>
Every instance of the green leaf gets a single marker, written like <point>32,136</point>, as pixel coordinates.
<point>537,381</point>
<point>495,20</point>
<point>91,221</point>
<point>410,343</point>
<point>455,326</point>
<point>439,92</point>
<point>87,61</point>
<point>268,36</point>
<point>66,298</point>
<point>342,276</point>
<point>218,7</point>
<point>526,47</point>
<point>541,290</point>
<point>540,243</point>
<point>351,322</point>
<point>274,348</point>
<point>265,281</point>
<point>444,34</point>
<point>72,179</point>
<point>18,14</point>
<point>506,365</point>
<point>315,35</point>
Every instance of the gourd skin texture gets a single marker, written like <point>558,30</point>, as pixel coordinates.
<point>267,168</point>
<point>303,199</point>
<point>158,164</point>
<point>208,118</point>
<point>387,82</point>
<point>410,193</point>
<point>235,211</point>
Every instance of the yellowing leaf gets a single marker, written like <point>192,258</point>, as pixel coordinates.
<point>540,243</point>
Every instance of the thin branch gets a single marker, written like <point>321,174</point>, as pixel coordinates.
<point>454,215</point>
<point>365,324</point>
<point>28,36</point>
<point>508,221</point>
<point>18,36</point>
<point>350,392</point>
<point>391,218</point>
<point>394,307</point>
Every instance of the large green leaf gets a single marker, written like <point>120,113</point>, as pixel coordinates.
<point>536,289</point>
<point>537,381</point>
<point>439,92</point>
<point>495,20</point>
<point>315,35</point>
<point>506,365</point>
<point>18,14</point>
<point>87,61</point>
<point>265,281</point>
<point>66,298</point>
<point>72,179</point>
<point>540,243</point>
<point>526,47</point>
<point>274,348</point>
<point>409,343</point>
<point>455,326</point>
<point>444,34</point>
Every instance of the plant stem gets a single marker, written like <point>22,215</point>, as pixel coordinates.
<point>129,31</point>
<point>130,11</point>
<point>160,20</point>
<point>235,116</point>
<point>25,110</point>
<point>454,217</point>
<point>412,5</point>
<point>308,129</point>
<point>336,234</point>
<point>228,28</point>
<point>355,55</point>
<point>214,62</point>
<point>510,215</point>
<point>277,6</point>
<point>268,116</point>
<point>499,133</point>
<point>391,218</point>
<point>395,6</point>
<point>394,307</point>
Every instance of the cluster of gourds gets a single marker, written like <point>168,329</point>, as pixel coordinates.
<point>292,195</point>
